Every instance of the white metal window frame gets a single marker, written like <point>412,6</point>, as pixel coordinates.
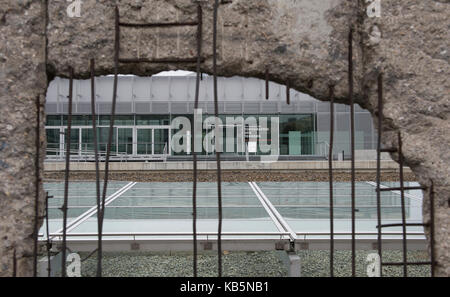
<point>62,129</point>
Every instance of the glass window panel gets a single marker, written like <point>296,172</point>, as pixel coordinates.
<point>74,141</point>
<point>119,120</point>
<point>78,120</point>
<point>87,140</point>
<point>104,120</point>
<point>53,137</point>
<point>103,137</point>
<point>125,140</point>
<point>124,120</point>
<point>161,141</point>
<point>152,120</point>
<point>144,141</point>
<point>53,120</point>
<point>305,124</point>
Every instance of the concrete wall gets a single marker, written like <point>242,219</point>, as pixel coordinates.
<point>303,41</point>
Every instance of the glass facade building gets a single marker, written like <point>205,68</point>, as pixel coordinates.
<point>146,108</point>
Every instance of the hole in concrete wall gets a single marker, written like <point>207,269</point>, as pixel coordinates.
<point>146,107</point>
<point>144,103</point>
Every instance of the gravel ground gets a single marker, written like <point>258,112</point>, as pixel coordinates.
<point>317,263</point>
<point>249,264</point>
<point>233,176</point>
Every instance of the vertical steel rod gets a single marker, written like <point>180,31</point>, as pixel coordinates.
<point>66,178</point>
<point>195,177</point>
<point>380,127</point>
<point>402,193</point>
<point>97,169</point>
<point>432,256</point>
<point>352,131</point>
<point>14,263</point>
<point>267,83</point>
<point>288,92</point>
<point>47,231</point>
<point>216,107</point>
<point>111,130</point>
<point>37,183</point>
<point>330,172</point>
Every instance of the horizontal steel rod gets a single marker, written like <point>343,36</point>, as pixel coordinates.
<point>407,224</point>
<point>399,188</point>
<point>402,263</point>
<point>389,150</point>
<point>156,25</point>
<point>161,60</point>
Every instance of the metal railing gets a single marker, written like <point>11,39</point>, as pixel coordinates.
<point>85,152</point>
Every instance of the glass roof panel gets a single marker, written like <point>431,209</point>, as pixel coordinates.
<point>167,207</point>
<point>82,196</point>
<point>305,206</point>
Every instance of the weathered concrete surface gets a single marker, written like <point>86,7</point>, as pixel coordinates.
<point>413,52</point>
<point>304,41</point>
<point>22,80</point>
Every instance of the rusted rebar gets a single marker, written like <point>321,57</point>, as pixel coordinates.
<point>97,169</point>
<point>352,141</point>
<point>168,60</point>
<point>402,197</point>
<point>110,137</point>
<point>431,224</point>
<point>330,173</point>
<point>66,176</point>
<point>14,274</point>
<point>195,177</point>
<point>157,25</point>
<point>288,92</point>
<point>402,190</point>
<point>37,184</point>
<point>389,189</point>
<point>216,108</point>
<point>160,60</point>
<point>380,127</point>
<point>47,232</point>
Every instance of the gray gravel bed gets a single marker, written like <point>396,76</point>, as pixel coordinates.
<point>317,263</point>
<point>256,264</point>
<point>244,264</point>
